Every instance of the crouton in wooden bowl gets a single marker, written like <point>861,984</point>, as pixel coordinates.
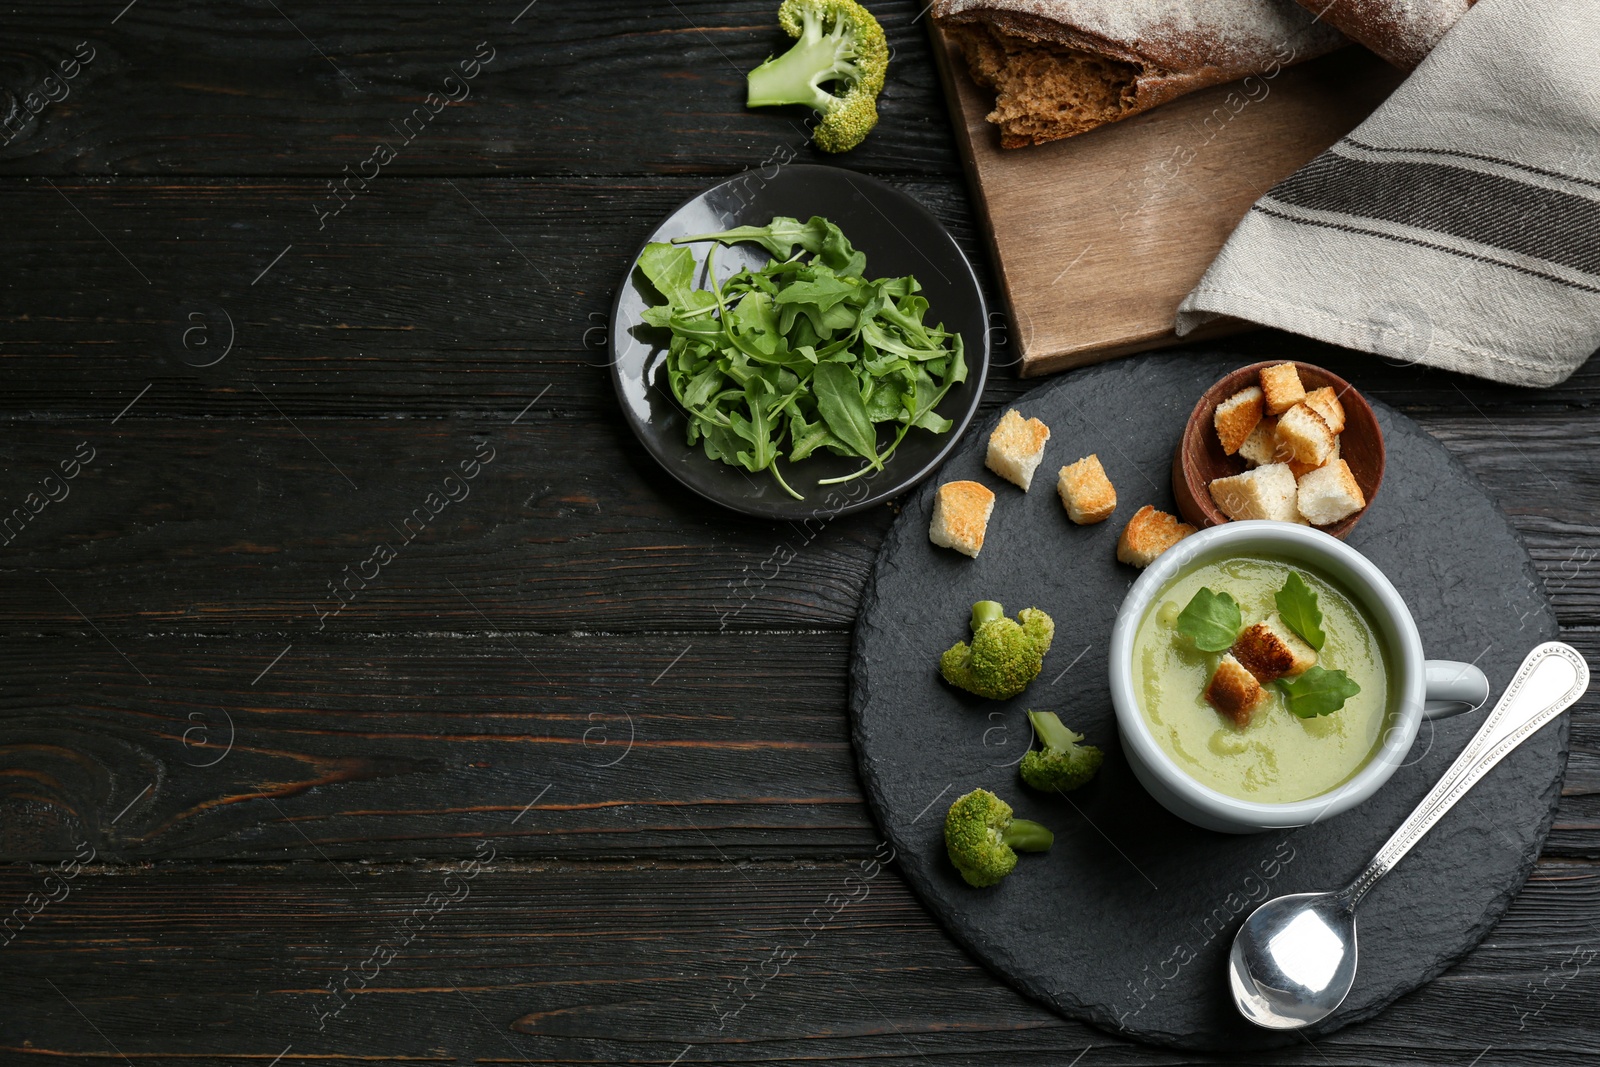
<point>1275,440</point>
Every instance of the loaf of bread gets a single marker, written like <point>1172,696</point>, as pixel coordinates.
<point>1061,67</point>
<point>1401,31</point>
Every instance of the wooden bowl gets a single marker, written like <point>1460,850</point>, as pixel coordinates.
<point>1200,458</point>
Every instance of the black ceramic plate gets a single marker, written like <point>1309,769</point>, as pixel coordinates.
<point>1126,922</point>
<point>899,236</point>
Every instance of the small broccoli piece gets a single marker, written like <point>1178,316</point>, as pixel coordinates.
<point>838,41</point>
<point>1005,654</point>
<point>980,835</point>
<point>1062,763</point>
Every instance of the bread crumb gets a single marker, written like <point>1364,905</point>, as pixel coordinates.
<point>1270,650</point>
<point>1261,447</point>
<point>1330,493</point>
<point>961,513</point>
<point>1234,691</point>
<point>1282,388</point>
<point>1236,417</point>
<point>1267,492</point>
<point>1307,438</point>
<point>1148,534</point>
<point>1299,469</point>
<point>1086,492</point>
<point>1325,402</point>
<point>1015,448</point>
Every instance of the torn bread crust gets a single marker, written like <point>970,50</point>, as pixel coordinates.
<point>1062,67</point>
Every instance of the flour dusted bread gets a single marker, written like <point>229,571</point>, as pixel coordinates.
<point>1061,67</point>
<point>1401,31</point>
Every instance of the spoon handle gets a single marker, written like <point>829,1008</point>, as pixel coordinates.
<point>1550,680</point>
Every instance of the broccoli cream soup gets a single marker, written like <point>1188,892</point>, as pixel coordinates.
<point>1264,751</point>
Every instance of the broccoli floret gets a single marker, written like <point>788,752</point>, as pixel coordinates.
<point>980,834</point>
<point>839,41</point>
<point>1062,763</point>
<point>1004,656</point>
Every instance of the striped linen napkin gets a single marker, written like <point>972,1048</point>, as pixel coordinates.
<point>1459,226</point>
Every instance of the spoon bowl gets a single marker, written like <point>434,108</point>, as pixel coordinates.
<point>1294,960</point>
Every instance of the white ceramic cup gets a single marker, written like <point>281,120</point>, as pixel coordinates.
<point>1419,688</point>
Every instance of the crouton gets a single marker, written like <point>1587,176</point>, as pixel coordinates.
<point>1299,469</point>
<point>1268,492</point>
<point>1086,492</point>
<point>1236,417</point>
<point>1234,691</point>
<point>961,516</point>
<point>1329,494</point>
<point>1303,434</point>
<point>1270,650</point>
<point>1325,402</point>
<point>1262,444</point>
<point>1281,387</point>
<point>1148,534</point>
<point>1016,447</point>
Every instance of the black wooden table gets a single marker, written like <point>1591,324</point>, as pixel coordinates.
<point>369,695</point>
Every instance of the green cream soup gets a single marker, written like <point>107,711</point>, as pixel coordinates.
<point>1278,757</point>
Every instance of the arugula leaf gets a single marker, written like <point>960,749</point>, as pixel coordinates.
<point>1297,604</point>
<point>809,440</point>
<point>839,402</point>
<point>778,237</point>
<point>670,270</point>
<point>885,401</point>
<point>1317,692</point>
<point>701,388</point>
<point>837,253</point>
<point>823,291</point>
<point>881,339</point>
<point>660,315</point>
<point>958,364</point>
<point>1211,620</point>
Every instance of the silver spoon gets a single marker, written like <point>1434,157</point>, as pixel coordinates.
<point>1294,959</point>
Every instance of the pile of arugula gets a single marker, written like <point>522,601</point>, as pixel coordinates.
<point>803,354</point>
<point>1213,621</point>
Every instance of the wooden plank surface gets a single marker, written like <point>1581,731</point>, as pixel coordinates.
<point>1098,237</point>
<point>661,745</point>
<point>182,525</point>
<point>649,963</point>
<point>573,88</point>
<point>469,698</point>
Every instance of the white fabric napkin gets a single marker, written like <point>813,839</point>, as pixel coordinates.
<point>1459,226</point>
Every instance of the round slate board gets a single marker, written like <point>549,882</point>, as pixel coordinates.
<point>1126,922</point>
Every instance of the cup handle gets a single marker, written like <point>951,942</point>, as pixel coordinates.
<point>1452,688</point>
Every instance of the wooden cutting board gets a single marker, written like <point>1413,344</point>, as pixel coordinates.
<point>1097,238</point>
